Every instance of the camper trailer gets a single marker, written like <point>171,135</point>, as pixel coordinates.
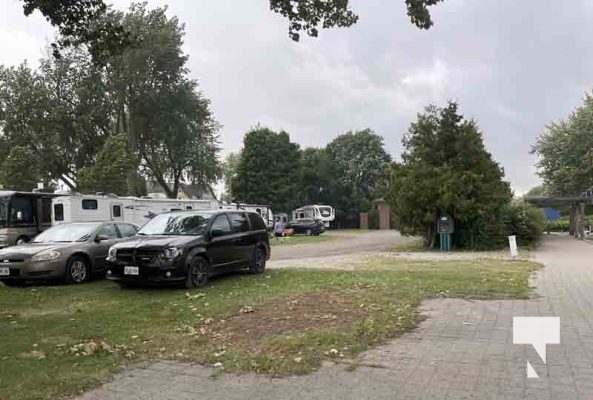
<point>135,210</point>
<point>263,210</point>
<point>23,215</point>
<point>325,214</point>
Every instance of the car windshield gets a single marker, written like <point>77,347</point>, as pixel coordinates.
<point>176,224</point>
<point>3,212</point>
<point>66,233</point>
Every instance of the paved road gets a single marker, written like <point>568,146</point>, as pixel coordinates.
<point>347,242</point>
<point>464,350</point>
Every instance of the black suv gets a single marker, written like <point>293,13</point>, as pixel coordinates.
<point>191,246</point>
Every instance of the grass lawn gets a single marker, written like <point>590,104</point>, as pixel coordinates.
<point>303,239</point>
<point>59,340</point>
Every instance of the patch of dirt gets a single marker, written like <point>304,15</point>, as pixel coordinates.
<point>286,316</point>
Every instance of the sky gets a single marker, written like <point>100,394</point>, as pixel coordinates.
<point>513,66</point>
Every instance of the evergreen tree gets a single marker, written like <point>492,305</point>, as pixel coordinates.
<point>446,168</point>
<point>267,172</point>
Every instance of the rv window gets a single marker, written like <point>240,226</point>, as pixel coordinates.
<point>188,208</point>
<point>22,211</point>
<point>59,212</point>
<point>116,211</point>
<point>46,211</point>
<point>176,209</point>
<point>89,204</point>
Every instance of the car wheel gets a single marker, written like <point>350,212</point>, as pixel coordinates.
<point>198,273</point>
<point>21,240</point>
<point>258,264</point>
<point>77,270</point>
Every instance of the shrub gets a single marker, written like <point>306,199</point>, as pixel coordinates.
<point>525,221</point>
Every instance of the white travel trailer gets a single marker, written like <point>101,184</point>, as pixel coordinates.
<point>135,210</point>
<point>264,211</point>
<point>325,214</point>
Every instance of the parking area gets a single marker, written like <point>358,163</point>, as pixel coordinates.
<point>463,350</point>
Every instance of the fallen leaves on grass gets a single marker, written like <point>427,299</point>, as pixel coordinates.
<point>92,347</point>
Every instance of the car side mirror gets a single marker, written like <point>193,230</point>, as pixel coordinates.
<point>217,233</point>
<point>101,238</point>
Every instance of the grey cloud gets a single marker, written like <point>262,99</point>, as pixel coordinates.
<point>514,66</point>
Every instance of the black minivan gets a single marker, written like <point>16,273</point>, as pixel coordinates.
<point>189,247</point>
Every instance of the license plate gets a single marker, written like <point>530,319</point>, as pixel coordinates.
<point>4,271</point>
<point>131,271</point>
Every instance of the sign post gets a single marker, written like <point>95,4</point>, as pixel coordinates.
<point>445,227</point>
<point>513,247</point>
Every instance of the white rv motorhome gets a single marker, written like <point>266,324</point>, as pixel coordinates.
<point>263,210</point>
<point>135,210</point>
<point>325,214</point>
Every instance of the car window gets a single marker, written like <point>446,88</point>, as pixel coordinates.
<point>126,230</point>
<point>239,222</point>
<point>107,230</point>
<point>222,223</point>
<point>256,221</point>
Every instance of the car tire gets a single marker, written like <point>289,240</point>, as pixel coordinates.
<point>78,270</point>
<point>21,240</point>
<point>258,264</point>
<point>198,273</point>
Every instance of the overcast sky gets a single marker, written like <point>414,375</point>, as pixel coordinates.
<point>514,66</point>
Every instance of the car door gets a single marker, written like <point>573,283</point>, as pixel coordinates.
<point>243,245</point>
<point>221,243</point>
<point>100,248</point>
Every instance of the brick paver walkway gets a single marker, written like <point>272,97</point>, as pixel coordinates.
<point>464,350</point>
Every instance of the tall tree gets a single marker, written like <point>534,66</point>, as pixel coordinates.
<point>565,152</point>
<point>108,173</point>
<point>446,168</point>
<point>318,178</point>
<point>268,170</point>
<point>168,121</point>
<point>60,112</point>
<point>362,168</point>
<point>17,172</point>
<point>229,171</point>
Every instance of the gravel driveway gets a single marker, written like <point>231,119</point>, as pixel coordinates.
<point>345,242</point>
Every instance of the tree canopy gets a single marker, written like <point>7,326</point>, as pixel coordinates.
<point>565,152</point>
<point>446,169</point>
<point>82,21</point>
<point>361,169</point>
<point>267,172</point>
<point>64,112</point>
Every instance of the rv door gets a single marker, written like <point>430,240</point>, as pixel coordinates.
<point>117,212</point>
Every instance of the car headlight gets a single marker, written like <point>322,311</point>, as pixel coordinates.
<point>112,256</point>
<point>170,253</point>
<point>46,255</point>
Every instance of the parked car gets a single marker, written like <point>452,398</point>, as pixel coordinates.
<point>73,251</point>
<point>307,226</point>
<point>189,247</point>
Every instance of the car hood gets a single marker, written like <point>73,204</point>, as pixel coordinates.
<point>153,241</point>
<point>28,249</point>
